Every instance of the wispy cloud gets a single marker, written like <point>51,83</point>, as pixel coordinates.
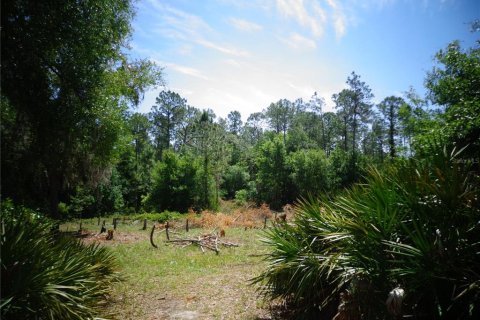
<point>338,17</point>
<point>188,28</point>
<point>299,42</point>
<point>189,71</point>
<point>316,16</point>
<point>186,70</point>
<point>312,17</point>
<point>244,25</point>
<point>223,49</point>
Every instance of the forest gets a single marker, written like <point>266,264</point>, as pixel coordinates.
<point>399,177</point>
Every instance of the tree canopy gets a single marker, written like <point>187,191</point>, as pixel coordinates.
<point>66,85</point>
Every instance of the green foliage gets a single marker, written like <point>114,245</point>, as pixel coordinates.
<point>133,172</point>
<point>241,197</point>
<point>166,116</point>
<point>273,177</point>
<point>341,171</point>
<point>69,97</point>
<point>279,116</point>
<point>174,183</point>
<point>309,172</point>
<point>454,84</point>
<point>413,226</point>
<point>111,196</point>
<point>235,178</point>
<point>160,217</point>
<point>390,108</point>
<point>81,202</point>
<point>63,209</point>
<point>44,277</point>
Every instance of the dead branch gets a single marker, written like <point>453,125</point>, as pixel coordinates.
<point>208,241</point>
<point>151,237</point>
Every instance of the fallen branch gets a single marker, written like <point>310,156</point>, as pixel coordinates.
<point>210,242</point>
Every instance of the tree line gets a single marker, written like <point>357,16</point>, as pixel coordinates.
<point>71,144</point>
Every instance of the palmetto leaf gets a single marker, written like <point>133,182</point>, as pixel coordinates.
<point>46,278</point>
<point>414,225</point>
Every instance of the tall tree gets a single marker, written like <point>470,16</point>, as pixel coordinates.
<point>454,84</point>
<point>273,178</point>
<point>389,108</point>
<point>360,108</point>
<point>253,128</point>
<point>316,105</point>
<point>343,105</point>
<point>375,140</point>
<point>68,84</point>
<point>279,116</point>
<point>136,161</point>
<point>209,143</point>
<point>332,126</point>
<point>234,122</point>
<point>166,116</point>
<point>186,127</point>
<point>414,118</point>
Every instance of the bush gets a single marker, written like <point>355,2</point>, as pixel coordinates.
<point>161,217</point>
<point>408,237</point>
<point>309,172</point>
<point>46,277</point>
<point>235,178</point>
<point>241,197</point>
<point>174,183</point>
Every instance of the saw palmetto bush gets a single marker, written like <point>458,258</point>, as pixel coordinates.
<point>45,276</point>
<point>404,243</point>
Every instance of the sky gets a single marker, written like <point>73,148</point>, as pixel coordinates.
<point>242,55</point>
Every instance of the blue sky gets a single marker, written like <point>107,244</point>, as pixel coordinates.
<point>242,55</point>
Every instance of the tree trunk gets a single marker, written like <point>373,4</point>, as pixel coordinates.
<point>205,180</point>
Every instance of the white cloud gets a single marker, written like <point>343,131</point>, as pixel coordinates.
<point>340,25</point>
<point>189,71</point>
<point>186,70</point>
<point>299,42</point>
<point>189,29</point>
<point>227,78</point>
<point>244,25</point>
<point>227,50</point>
<point>338,17</point>
<point>174,19</point>
<point>313,19</point>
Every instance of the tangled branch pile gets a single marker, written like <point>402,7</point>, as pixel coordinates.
<point>208,241</point>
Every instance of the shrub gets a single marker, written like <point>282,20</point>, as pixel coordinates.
<point>46,277</point>
<point>409,234</point>
<point>235,179</point>
<point>174,183</point>
<point>309,172</point>
<point>241,197</point>
<point>160,217</point>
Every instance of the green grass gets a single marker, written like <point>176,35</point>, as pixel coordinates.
<point>173,278</point>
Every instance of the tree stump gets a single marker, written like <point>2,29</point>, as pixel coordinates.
<point>103,229</point>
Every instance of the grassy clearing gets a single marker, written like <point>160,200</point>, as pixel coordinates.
<point>175,282</point>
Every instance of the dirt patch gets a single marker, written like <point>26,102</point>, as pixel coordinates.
<point>217,296</point>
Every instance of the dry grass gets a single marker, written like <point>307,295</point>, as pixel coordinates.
<point>249,218</point>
